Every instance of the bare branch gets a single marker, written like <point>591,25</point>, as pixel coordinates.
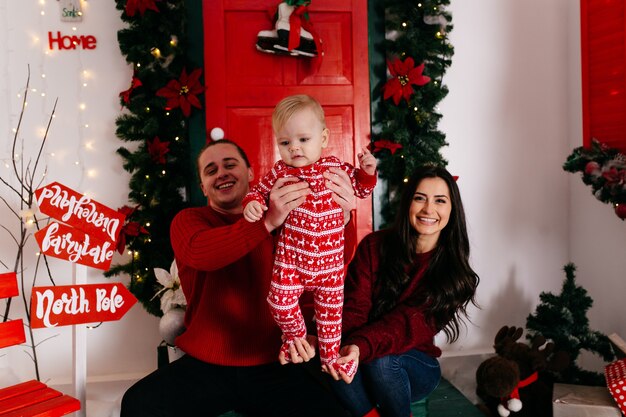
<point>10,234</point>
<point>45,136</point>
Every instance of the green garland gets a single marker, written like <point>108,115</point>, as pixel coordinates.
<point>155,42</point>
<point>604,170</point>
<point>417,30</point>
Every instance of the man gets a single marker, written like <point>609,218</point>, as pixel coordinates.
<point>231,340</point>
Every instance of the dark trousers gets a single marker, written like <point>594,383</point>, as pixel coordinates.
<point>189,387</point>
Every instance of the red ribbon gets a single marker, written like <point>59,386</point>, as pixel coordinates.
<point>297,21</point>
<point>523,383</point>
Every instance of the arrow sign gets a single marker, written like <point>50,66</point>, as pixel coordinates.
<point>62,305</point>
<point>74,245</point>
<point>68,206</point>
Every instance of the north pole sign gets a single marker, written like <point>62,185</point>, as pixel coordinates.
<point>63,305</point>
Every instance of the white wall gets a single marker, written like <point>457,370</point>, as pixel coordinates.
<point>511,118</point>
<point>80,153</point>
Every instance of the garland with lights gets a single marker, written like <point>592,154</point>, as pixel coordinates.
<point>604,170</point>
<point>405,133</point>
<point>164,91</point>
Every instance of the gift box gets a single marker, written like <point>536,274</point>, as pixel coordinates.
<point>615,374</point>
<point>583,401</point>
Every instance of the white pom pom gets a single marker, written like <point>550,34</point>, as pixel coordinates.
<point>172,324</point>
<point>217,133</point>
<point>503,411</point>
<point>514,404</point>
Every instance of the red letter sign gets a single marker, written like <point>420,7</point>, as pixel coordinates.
<point>65,242</point>
<point>63,305</point>
<point>68,206</point>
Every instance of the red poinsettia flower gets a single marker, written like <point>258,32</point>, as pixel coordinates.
<point>132,6</point>
<point>126,210</point>
<point>381,144</point>
<point>405,75</point>
<point>158,150</point>
<point>129,229</point>
<point>135,83</point>
<point>183,92</point>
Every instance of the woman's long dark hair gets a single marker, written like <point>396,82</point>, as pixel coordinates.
<point>449,283</point>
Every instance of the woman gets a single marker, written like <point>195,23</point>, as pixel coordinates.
<point>404,285</point>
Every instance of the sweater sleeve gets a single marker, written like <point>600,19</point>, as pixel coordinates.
<point>199,242</point>
<point>261,191</point>
<point>362,182</point>
<point>399,330</point>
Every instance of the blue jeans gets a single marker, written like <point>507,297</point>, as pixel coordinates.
<point>390,383</point>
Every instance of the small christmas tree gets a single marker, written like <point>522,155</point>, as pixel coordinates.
<point>563,319</point>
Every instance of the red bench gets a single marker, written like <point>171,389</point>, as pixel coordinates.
<point>32,398</point>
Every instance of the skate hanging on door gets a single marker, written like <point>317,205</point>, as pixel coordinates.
<point>293,32</point>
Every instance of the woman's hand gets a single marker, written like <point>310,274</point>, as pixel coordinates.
<point>302,350</point>
<point>347,354</point>
<point>285,196</point>
<point>338,181</point>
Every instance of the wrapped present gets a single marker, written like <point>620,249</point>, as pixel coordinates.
<point>615,374</point>
<point>582,401</point>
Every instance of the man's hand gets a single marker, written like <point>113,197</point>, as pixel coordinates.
<point>338,181</point>
<point>348,353</point>
<point>285,196</point>
<point>302,350</point>
<point>253,211</point>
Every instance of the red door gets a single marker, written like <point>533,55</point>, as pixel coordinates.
<point>603,41</point>
<point>244,85</point>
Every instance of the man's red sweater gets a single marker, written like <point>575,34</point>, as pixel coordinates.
<point>225,264</point>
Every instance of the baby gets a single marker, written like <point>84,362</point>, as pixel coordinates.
<point>309,253</point>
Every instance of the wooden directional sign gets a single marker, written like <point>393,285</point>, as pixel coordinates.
<point>68,206</point>
<point>11,332</point>
<point>71,244</point>
<point>62,305</point>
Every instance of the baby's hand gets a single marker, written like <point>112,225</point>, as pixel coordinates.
<point>367,161</point>
<point>253,211</point>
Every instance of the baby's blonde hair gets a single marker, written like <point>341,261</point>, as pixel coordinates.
<point>290,105</point>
